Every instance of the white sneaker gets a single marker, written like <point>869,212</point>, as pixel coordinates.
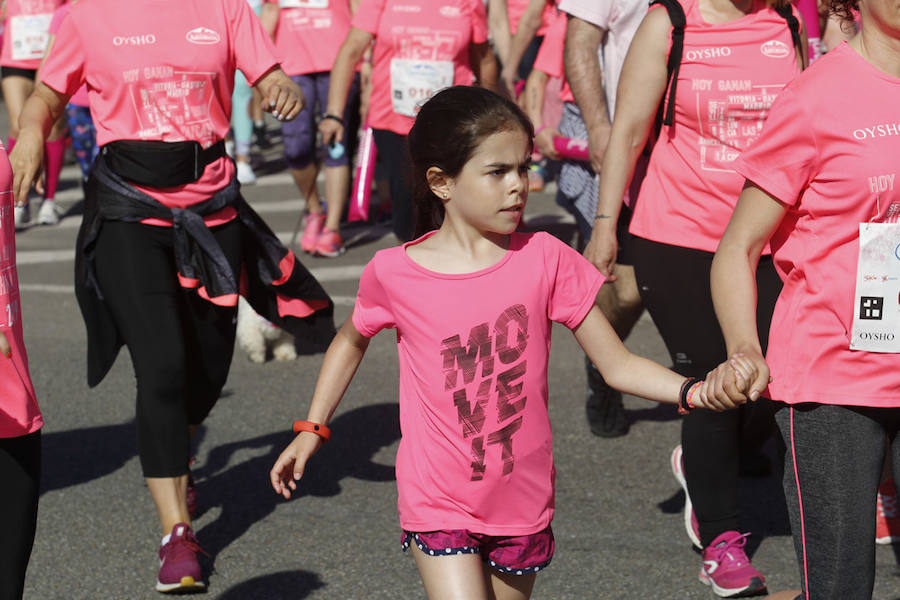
<point>22,215</point>
<point>48,214</point>
<point>245,174</point>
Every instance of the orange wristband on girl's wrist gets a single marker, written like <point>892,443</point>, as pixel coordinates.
<point>317,428</point>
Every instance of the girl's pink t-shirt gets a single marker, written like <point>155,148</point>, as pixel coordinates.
<point>161,70</point>
<point>829,153</point>
<point>730,75</point>
<point>476,450</point>
<point>19,412</point>
<point>309,34</point>
<point>421,46</point>
<point>26,31</point>
<point>79,98</point>
<point>550,58</point>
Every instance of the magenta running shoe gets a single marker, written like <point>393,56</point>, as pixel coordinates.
<point>329,244</point>
<point>311,230</point>
<point>179,570</point>
<point>690,518</point>
<point>727,569</point>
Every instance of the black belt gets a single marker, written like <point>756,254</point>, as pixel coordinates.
<point>160,164</point>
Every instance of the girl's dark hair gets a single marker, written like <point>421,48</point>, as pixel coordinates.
<point>447,132</point>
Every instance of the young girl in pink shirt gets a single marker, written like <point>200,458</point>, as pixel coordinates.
<point>473,302</point>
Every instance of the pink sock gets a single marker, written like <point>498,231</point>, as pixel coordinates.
<point>10,144</point>
<point>53,156</point>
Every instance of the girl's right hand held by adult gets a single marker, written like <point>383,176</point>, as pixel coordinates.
<point>289,467</point>
<point>26,159</point>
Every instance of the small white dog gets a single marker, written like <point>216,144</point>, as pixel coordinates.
<point>255,334</point>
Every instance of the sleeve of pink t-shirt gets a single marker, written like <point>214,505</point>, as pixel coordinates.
<point>63,69</point>
<point>574,283</point>
<point>479,22</point>
<point>254,51</point>
<point>782,160</point>
<point>368,15</point>
<point>58,17</point>
<point>372,311</point>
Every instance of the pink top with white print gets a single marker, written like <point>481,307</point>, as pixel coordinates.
<point>19,412</point>
<point>476,450</point>
<point>410,35</point>
<point>829,153</point>
<point>79,98</point>
<point>26,31</point>
<point>730,75</point>
<point>161,70</point>
<point>310,33</point>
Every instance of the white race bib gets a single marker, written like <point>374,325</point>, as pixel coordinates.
<point>876,304</point>
<point>415,81</point>
<point>303,3</point>
<point>29,34</point>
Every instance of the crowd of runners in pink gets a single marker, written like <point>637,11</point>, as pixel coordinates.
<point>729,166</point>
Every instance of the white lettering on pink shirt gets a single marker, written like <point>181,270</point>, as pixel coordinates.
<point>135,40</point>
<point>707,53</point>
<point>877,131</point>
<point>881,183</point>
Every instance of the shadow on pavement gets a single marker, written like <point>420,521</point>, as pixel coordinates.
<point>285,585</point>
<point>243,491</point>
<point>101,451</point>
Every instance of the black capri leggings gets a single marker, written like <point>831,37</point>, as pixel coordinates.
<point>674,287</point>
<point>20,472</point>
<point>394,155</point>
<point>180,344</point>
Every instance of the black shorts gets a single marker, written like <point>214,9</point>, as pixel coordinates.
<point>17,72</point>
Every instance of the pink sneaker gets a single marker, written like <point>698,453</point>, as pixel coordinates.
<point>887,519</point>
<point>329,244</point>
<point>690,518</point>
<point>179,571</point>
<point>727,569</point>
<point>311,231</point>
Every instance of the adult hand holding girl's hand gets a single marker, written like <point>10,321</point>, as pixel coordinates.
<point>731,384</point>
<point>26,160</point>
<point>289,467</point>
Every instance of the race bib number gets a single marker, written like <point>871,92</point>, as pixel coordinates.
<point>876,310</point>
<point>415,81</point>
<point>29,35</point>
<point>303,3</point>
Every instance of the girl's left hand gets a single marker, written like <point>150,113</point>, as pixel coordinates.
<point>544,142</point>
<point>724,387</point>
<point>289,467</point>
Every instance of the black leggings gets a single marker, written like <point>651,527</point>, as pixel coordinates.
<point>180,344</point>
<point>20,472</point>
<point>674,286</point>
<point>393,152</point>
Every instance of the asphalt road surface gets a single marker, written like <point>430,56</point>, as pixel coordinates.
<point>618,521</point>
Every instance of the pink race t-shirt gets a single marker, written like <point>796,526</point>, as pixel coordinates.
<point>829,152</point>
<point>476,450</point>
<point>161,70</point>
<point>550,57</point>
<point>19,412</point>
<point>309,33</point>
<point>516,8</point>
<point>79,98</point>
<point>730,75</point>
<point>26,32</point>
<point>421,47</point>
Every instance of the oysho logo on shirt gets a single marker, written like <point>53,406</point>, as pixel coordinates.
<point>202,35</point>
<point>775,49</point>
<point>406,8</point>
<point>451,12</point>
<point>134,40</point>
<point>707,53</point>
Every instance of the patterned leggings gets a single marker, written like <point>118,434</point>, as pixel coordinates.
<point>84,136</point>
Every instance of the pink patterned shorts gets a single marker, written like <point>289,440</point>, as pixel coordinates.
<point>519,555</point>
